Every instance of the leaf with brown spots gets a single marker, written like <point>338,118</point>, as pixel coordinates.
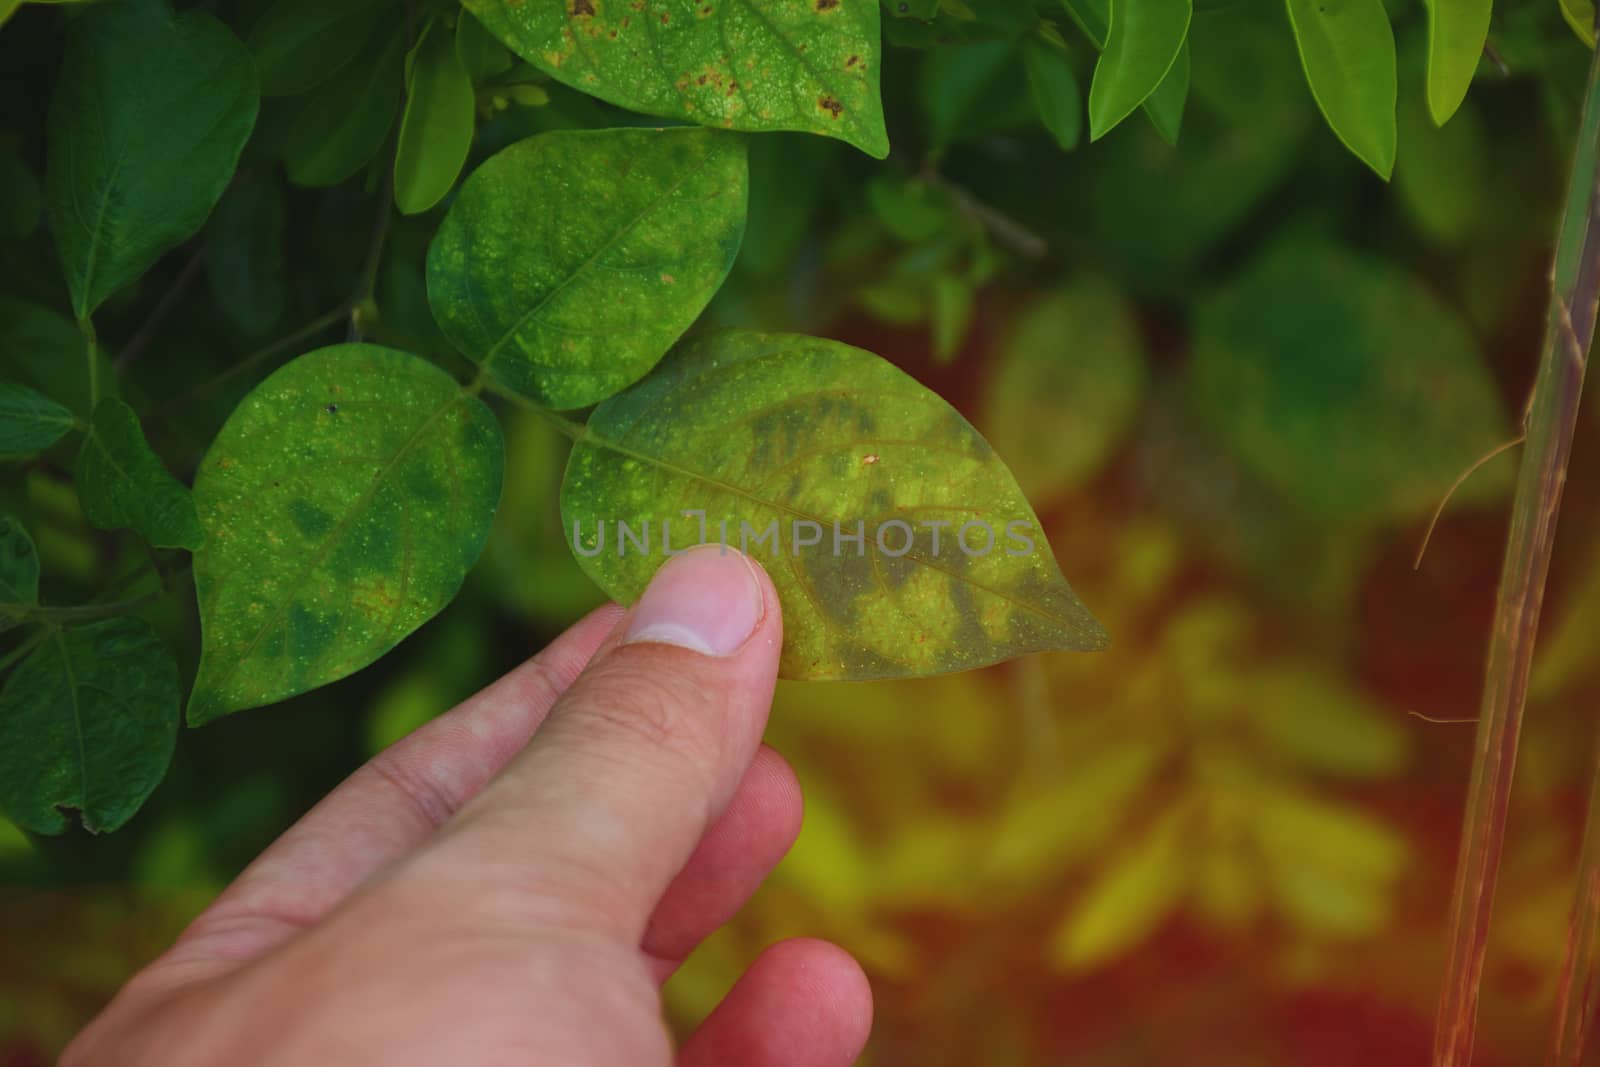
<point>343,502</point>
<point>776,438</point>
<point>807,65</point>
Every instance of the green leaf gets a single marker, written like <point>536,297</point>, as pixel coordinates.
<point>1457,30</point>
<point>343,502</point>
<point>1580,16</point>
<point>1068,385</point>
<point>783,435</point>
<point>300,44</point>
<point>19,564</point>
<point>570,262</point>
<point>44,350</point>
<point>30,421</point>
<point>87,721</point>
<point>19,198</point>
<point>1093,17</point>
<point>1056,96</point>
<point>970,90</point>
<point>146,125</point>
<point>1142,43</point>
<point>480,55</point>
<point>1347,386</point>
<point>807,65</point>
<point>436,131</point>
<point>343,123</point>
<point>124,485</point>
<point>1130,899</point>
<point>244,253</point>
<point>952,303</point>
<point>1347,49</point>
<point>1442,175</point>
<point>1164,107</point>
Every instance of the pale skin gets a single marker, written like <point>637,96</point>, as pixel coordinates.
<point>512,883</point>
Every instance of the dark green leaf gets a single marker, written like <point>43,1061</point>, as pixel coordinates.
<point>244,253</point>
<point>439,121</point>
<point>1457,30</point>
<point>1067,388</point>
<point>1093,17</point>
<point>299,44</point>
<point>19,564</point>
<point>29,421</point>
<point>344,122</point>
<point>1347,386</point>
<point>19,198</point>
<point>124,485</point>
<point>788,435</point>
<point>480,55</point>
<point>343,502</point>
<point>971,90</point>
<point>808,65</point>
<point>1056,96</point>
<point>45,351</point>
<point>146,124</point>
<point>1142,44</point>
<point>1347,49</point>
<point>1164,107</point>
<point>87,721</point>
<point>570,262</point>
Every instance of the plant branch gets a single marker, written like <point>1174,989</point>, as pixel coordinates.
<point>317,325</point>
<point>1575,288</point>
<point>90,351</point>
<point>77,612</point>
<point>158,315</point>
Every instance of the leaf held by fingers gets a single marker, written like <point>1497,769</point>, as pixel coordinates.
<point>777,438</point>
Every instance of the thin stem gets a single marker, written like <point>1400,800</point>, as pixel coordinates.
<point>310,329</point>
<point>572,429</point>
<point>91,348</point>
<point>77,612</point>
<point>158,315</point>
<point>23,649</point>
<point>1575,993</point>
<point>1575,288</point>
<point>369,271</point>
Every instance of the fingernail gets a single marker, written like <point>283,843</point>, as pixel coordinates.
<point>708,599</point>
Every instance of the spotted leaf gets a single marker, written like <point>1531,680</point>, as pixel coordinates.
<point>343,502</point>
<point>793,448</point>
<point>570,262</point>
<point>809,65</point>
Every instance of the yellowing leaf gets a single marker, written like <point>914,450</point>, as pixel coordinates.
<point>1069,382</point>
<point>792,446</point>
<point>343,502</point>
<point>570,262</point>
<point>1129,899</point>
<point>808,65</point>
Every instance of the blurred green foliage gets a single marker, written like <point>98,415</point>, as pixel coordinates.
<point>1233,375</point>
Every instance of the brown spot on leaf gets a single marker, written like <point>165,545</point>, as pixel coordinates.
<point>668,279</point>
<point>852,61</point>
<point>831,105</point>
<point>582,8</point>
<point>700,80</point>
<point>666,17</point>
<point>827,5</point>
<point>869,459</point>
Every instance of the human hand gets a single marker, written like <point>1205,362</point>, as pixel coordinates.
<point>480,894</point>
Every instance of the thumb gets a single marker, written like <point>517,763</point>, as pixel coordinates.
<point>591,822</point>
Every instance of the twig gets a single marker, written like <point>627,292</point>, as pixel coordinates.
<point>572,429</point>
<point>369,271</point>
<point>1005,229</point>
<point>1438,512</point>
<point>77,612</point>
<point>158,315</point>
<point>1557,390</point>
<point>310,329</point>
